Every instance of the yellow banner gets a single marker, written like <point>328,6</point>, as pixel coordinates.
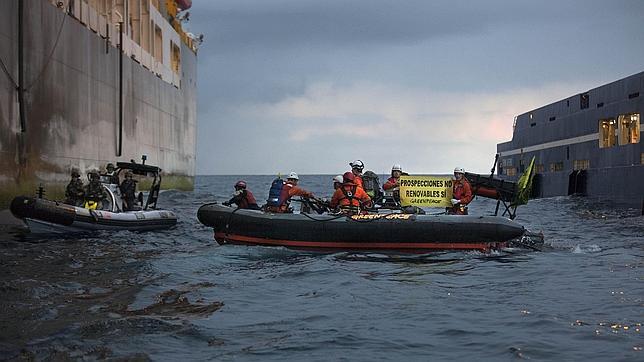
<point>426,191</point>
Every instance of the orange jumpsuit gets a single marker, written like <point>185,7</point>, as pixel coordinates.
<point>289,190</point>
<point>358,181</point>
<point>461,190</point>
<point>350,195</point>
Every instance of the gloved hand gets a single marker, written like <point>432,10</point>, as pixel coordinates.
<point>226,203</point>
<point>456,201</point>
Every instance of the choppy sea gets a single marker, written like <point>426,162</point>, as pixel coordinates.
<point>177,295</point>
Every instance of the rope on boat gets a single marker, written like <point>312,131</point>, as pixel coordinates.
<point>228,221</point>
<point>324,220</point>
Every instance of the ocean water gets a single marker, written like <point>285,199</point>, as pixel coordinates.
<point>177,295</point>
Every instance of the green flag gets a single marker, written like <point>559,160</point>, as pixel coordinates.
<point>524,185</point>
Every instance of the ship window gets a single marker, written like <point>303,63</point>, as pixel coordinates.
<point>567,102</point>
<point>581,164</point>
<point>511,171</point>
<point>633,95</point>
<point>539,168</point>
<point>584,100</point>
<point>507,162</point>
<point>158,44</point>
<point>556,166</point>
<point>521,166</point>
<point>146,27</point>
<point>553,118</point>
<point>642,158</point>
<point>599,105</point>
<point>607,132</point>
<point>533,124</point>
<point>176,57</point>
<point>629,128</point>
<point>135,21</point>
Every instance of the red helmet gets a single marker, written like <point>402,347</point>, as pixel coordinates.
<point>348,177</point>
<point>240,184</point>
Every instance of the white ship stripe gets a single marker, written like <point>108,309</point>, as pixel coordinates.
<point>558,143</point>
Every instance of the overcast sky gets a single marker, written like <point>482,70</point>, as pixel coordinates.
<point>308,86</point>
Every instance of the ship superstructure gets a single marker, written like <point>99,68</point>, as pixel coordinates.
<point>87,82</point>
<point>587,144</point>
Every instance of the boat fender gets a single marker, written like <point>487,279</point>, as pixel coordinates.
<point>29,207</point>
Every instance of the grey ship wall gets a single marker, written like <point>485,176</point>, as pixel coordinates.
<point>71,106</point>
<point>615,174</point>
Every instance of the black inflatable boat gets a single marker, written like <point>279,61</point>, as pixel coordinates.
<point>44,216</point>
<point>395,231</point>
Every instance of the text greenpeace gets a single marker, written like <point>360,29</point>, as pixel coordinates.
<point>426,191</point>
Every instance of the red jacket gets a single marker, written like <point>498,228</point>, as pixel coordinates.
<point>391,183</point>
<point>245,200</point>
<point>462,190</point>
<point>289,190</point>
<point>358,181</point>
<point>350,195</point>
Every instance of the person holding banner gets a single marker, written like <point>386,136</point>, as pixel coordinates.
<point>393,183</point>
<point>350,198</point>
<point>461,193</point>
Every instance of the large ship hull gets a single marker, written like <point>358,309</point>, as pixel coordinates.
<point>587,144</point>
<point>82,105</point>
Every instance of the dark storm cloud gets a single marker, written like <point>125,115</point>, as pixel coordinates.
<point>263,54</point>
<point>243,25</point>
<point>270,24</point>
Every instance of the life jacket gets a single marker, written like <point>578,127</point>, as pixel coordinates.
<point>350,197</point>
<point>349,192</point>
<point>90,205</point>
<point>275,193</point>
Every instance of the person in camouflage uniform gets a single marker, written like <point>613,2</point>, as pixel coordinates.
<point>75,192</point>
<point>111,175</point>
<point>128,192</point>
<point>94,190</point>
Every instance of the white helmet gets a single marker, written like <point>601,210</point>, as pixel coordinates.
<point>356,164</point>
<point>459,170</point>
<point>293,176</point>
<point>396,167</point>
<point>338,178</point>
